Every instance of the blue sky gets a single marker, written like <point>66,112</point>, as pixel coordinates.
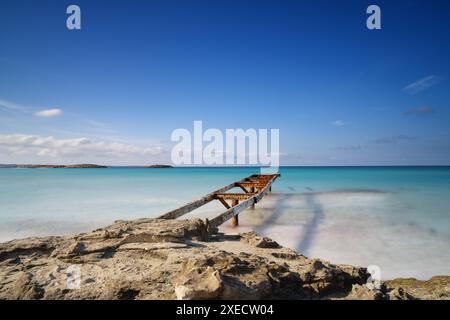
<point>114,91</point>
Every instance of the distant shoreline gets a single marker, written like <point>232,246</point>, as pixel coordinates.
<point>74,166</point>
<point>52,166</point>
<point>164,166</point>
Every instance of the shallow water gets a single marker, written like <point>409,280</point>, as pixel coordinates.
<point>395,217</point>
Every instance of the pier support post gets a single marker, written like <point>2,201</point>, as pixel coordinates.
<point>252,190</point>
<point>235,219</point>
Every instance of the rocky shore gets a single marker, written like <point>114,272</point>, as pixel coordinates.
<point>182,259</point>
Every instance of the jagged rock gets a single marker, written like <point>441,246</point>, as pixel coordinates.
<point>287,256</point>
<point>152,246</point>
<point>362,292</point>
<point>259,242</point>
<point>170,259</point>
<point>29,246</point>
<point>436,288</point>
<point>399,294</point>
<point>199,283</point>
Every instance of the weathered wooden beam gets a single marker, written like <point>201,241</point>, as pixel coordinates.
<point>243,188</point>
<point>220,219</point>
<point>258,181</point>
<point>197,203</point>
<point>262,177</point>
<point>249,184</point>
<point>235,218</point>
<point>186,208</point>
<point>224,203</point>
<point>234,196</point>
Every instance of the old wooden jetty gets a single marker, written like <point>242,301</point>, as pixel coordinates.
<point>253,189</point>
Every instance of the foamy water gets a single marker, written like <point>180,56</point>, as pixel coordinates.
<point>352,229</point>
<point>396,218</point>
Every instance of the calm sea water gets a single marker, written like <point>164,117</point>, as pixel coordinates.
<point>395,217</point>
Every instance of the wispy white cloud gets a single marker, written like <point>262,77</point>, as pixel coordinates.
<point>48,113</point>
<point>350,148</point>
<point>99,127</point>
<point>395,139</point>
<point>50,147</point>
<point>338,123</point>
<point>95,123</point>
<point>10,105</point>
<point>419,111</point>
<point>421,84</point>
<point>44,113</point>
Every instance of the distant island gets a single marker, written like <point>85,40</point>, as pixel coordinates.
<point>49,166</point>
<point>159,166</point>
<point>8,165</point>
<point>71,166</point>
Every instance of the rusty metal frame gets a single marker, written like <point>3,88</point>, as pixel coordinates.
<point>254,188</point>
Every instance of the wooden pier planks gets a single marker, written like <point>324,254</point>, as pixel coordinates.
<point>254,187</point>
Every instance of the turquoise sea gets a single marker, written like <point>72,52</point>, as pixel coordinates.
<point>395,217</point>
